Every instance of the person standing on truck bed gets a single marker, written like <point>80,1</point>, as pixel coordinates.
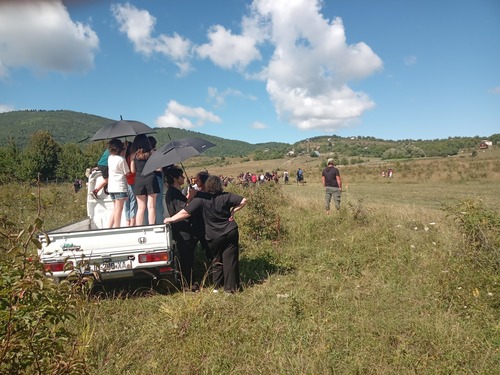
<point>146,187</point>
<point>102,165</point>
<point>182,231</point>
<point>117,181</point>
<point>221,231</point>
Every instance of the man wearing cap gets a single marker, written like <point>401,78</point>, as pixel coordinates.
<point>333,185</point>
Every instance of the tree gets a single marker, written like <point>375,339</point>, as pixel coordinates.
<point>40,156</point>
<point>9,161</point>
<point>72,162</point>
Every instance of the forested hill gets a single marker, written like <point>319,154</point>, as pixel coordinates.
<point>75,127</point>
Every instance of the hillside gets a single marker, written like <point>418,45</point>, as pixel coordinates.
<point>75,127</point>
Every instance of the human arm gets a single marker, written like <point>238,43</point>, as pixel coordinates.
<point>323,181</point>
<point>181,215</point>
<point>132,166</point>
<point>237,208</point>
<point>339,182</point>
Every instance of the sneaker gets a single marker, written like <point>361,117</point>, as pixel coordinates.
<point>215,291</point>
<point>94,194</point>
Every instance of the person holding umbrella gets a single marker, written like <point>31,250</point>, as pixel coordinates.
<point>221,231</point>
<point>182,231</point>
<point>146,186</point>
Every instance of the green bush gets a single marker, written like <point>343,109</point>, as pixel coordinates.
<point>480,226</point>
<point>260,219</point>
<point>34,311</point>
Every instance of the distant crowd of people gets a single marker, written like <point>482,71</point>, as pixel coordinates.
<point>199,210</point>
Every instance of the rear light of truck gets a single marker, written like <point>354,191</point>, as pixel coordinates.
<point>162,270</point>
<point>58,266</point>
<point>154,257</point>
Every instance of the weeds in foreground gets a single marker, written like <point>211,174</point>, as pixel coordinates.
<point>375,288</point>
<point>35,338</point>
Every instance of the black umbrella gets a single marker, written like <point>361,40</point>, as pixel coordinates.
<point>175,152</point>
<point>121,128</point>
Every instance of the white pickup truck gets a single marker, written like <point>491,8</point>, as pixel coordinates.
<point>145,251</point>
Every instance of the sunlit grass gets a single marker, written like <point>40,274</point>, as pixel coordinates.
<point>383,286</point>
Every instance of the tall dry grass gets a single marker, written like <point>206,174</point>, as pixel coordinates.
<point>386,285</point>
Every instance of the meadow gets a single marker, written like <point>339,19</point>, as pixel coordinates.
<point>404,279</point>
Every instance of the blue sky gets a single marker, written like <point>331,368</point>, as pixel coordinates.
<point>262,70</point>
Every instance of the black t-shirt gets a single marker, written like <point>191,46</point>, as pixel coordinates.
<point>176,201</point>
<point>330,174</point>
<point>216,212</point>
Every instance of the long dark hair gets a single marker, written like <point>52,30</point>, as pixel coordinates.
<point>143,147</point>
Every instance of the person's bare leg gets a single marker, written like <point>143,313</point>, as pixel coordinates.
<point>117,213</point>
<point>152,209</point>
<point>141,209</point>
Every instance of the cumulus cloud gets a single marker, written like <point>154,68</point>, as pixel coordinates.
<point>139,26</point>
<point>6,108</point>
<point>308,74</point>
<point>495,90</point>
<point>228,50</point>
<point>258,125</point>
<point>40,35</point>
<point>177,115</point>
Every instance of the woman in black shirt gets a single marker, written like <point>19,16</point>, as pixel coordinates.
<point>221,231</point>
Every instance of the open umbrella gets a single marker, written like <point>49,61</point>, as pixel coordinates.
<point>174,152</point>
<point>121,128</point>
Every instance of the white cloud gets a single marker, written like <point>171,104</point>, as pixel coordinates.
<point>6,108</point>
<point>258,125</point>
<point>227,50</point>
<point>308,73</point>
<point>219,97</point>
<point>410,60</point>
<point>139,25</point>
<point>495,90</point>
<point>40,35</point>
<point>177,115</point>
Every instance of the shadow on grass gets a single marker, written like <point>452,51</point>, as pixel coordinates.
<point>254,269</point>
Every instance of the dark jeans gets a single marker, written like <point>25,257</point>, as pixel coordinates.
<point>226,264</point>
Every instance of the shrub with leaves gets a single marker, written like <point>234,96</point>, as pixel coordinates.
<point>260,219</point>
<point>480,226</point>
<point>35,312</point>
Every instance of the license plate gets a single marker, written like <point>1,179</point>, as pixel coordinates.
<point>118,265</point>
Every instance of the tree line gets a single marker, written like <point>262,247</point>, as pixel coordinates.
<point>46,159</point>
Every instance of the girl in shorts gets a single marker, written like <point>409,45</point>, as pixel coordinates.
<point>117,180</point>
<point>146,187</point>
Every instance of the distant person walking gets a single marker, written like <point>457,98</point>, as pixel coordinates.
<point>332,184</point>
<point>300,176</point>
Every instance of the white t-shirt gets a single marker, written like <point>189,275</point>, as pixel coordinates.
<point>118,169</point>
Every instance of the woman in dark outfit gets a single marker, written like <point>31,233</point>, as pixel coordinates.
<point>182,231</point>
<point>146,187</point>
<point>221,231</point>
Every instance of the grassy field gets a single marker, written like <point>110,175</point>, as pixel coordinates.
<point>386,285</point>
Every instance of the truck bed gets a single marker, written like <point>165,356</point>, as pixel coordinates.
<point>87,246</point>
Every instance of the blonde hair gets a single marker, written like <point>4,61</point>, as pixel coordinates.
<point>213,184</point>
